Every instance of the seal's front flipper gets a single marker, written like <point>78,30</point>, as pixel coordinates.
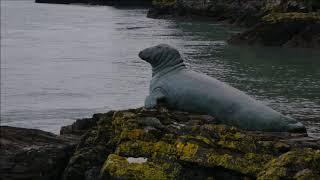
<point>153,99</point>
<point>297,128</point>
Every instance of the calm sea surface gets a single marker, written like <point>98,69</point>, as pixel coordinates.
<point>63,62</point>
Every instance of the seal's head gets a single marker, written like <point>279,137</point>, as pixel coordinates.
<point>161,57</point>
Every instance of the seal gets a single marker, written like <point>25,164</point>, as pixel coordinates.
<point>186,90</point>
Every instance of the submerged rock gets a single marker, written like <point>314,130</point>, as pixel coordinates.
<point>33,154</point>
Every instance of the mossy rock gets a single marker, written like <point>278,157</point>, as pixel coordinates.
<point>291,17</point>
<point>120,168</point>
<point>181,145</point>
<point>164,3</point>
<point>299,164</point>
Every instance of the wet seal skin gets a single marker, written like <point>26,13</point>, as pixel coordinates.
<point>183,89</point>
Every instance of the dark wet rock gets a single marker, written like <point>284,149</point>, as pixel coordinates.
<point>61,1</point>
<point>33,154</point>
<point>99,2</point>
<point>132,2</point>
<point>163,9</point>
<point>92,150</point>
<point>283,29</point>
<point>80,126</point>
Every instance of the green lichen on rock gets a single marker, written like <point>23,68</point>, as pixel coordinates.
<point>164,3</point>
<point>291,17</point>
<point>300,164</point>
<point>119,167</point>
<point>158,149</point>
<point>283,6</point>
<point>250,163</point>
<point>180,145</point>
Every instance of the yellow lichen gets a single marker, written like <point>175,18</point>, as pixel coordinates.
<point>164,3</point>
<point>294,160</point>
<point>250,163</point>
<point>148,149</point>
<point>118,167</point>
<point>187,150</point>
<point>307,174</point>
<point>291,17</point>
<point>132,134</point>
<point>197,138</point>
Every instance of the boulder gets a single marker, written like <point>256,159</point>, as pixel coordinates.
<point>33,154</point>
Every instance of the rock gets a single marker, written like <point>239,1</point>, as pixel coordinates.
<point>181,145</point>
<point>163,9</point>
<point>99,2</point>
<point>80,126</point>
<point>292,28</point>
<point>33,154</point>
<point>93,148</point>
<point>246,13</point>
<point>283,29</point>
<point>132,2</point>
<point>61,1</point>
<point>156,144</point>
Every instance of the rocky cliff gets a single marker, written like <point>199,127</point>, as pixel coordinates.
<point>297,21</point>
<point>100,2</point>
<point>165,144</point>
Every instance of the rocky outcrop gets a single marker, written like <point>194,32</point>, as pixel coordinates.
<point>100,2</point>
<point>62,1</point>
<point>293,27</point>
<point>92,150</point>
<point>33,154</point>
<point>246,13</point>
<point>166,144</point>
<point>283,29</point>
<point>163,144</point>
<point>81,126</point>
<point>232,11</point>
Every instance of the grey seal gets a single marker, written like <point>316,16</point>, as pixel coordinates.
<point>187,90</point>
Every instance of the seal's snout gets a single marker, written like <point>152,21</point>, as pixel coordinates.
<point>145,54</point>
<point>142,55</point>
